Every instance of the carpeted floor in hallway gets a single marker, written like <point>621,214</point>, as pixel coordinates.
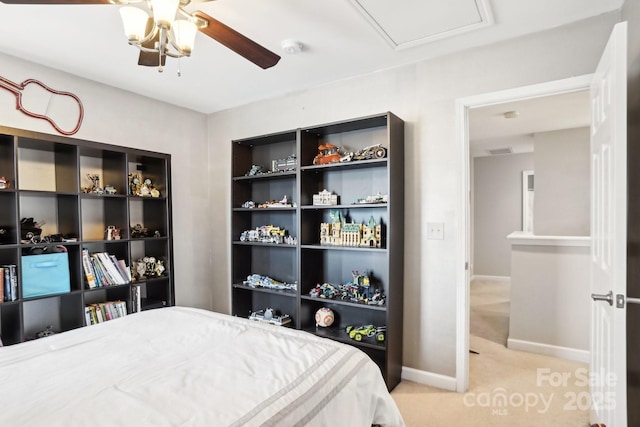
<point>507,387</point>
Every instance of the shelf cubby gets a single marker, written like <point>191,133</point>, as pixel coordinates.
<point>100,212</point>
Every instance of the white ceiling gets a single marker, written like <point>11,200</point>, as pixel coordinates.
<point>490,129</point>
<point>339,42</point>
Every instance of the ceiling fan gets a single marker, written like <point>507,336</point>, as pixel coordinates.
<point>159,35</point>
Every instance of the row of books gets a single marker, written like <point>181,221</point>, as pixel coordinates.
<point>102,269</point>
<point>8,283</point>
<point>104,311</point>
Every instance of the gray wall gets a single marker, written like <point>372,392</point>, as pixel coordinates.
<point>497,210</point>
<point>562,179</point>
<point>424,95</point>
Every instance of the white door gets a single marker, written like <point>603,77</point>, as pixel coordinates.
<point>609,233</point>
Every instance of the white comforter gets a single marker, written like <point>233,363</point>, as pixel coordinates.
<point>181,366</point>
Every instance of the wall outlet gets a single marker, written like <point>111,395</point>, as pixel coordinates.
<point>435,230</point>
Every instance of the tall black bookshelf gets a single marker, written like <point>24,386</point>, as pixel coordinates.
<point>47,179</point>
<point>308,262</point>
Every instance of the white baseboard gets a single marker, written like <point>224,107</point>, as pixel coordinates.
<point>428,378</point>
<point>494,278</point>
<point>549,350</point>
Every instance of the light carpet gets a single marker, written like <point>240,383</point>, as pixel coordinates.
<point>507,387</point>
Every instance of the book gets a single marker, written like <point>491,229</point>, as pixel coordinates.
<point>1,284</point>
<point>100,277</point>
<point>6,283</point>
<point>10,282</point>
<point>121,267</point>
<point>136,300</point>
<point>126,269</point>
<point>87,316</point>
<point>88,269</point>
<point>110,269</point>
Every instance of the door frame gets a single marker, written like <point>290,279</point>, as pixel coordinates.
<point>462,107</point>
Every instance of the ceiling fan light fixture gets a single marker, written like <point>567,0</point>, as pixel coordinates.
<point>164,11</point>
<point>184,34</point>
<point>134,21</point>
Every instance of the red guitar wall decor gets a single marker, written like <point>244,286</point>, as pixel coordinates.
<point>35,99</point>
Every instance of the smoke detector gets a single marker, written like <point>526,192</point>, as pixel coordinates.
<point>291,46</point>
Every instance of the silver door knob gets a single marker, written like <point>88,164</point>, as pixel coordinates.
<point>603,297</point>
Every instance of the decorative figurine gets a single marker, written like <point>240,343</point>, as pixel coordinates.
<point>324,317</point>
<point>143,188</point>
<point>95,184</point>
<point>284,165</point>
<point>112,233</point>
<point>255,170</point>
<point>138,231</point>
<point>282,203</point>
<point>325,198</point>
<point>327,153</point>
<point>258,281</point>
<point>3,183</point>
<point>366,331</point>
<point>268,234</point>
<point>340,233</point>
<point>110,189</point>
<point>359,291</point>
<point>376,151</point>
<point>270,316</point>
<point>134,184</point>
<point>146,267</point>
<point>375,199</point>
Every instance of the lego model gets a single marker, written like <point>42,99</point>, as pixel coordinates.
<point>268,234</point>
<point>358,291</point>
<point>376,198</point>
<point>282,203</point>
<point>270,316</point>
<point>284,165</point>
<point>327,153</point>
<point>376,151</point>
<point>340,233</point>
<point>325,198</point>
<point>255,170</point>
<point>366,331</point>
<point>258,281</point>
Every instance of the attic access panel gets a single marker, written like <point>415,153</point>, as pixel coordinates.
<point>411,23</point>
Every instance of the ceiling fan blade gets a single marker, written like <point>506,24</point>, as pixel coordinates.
<point>150,59</point>
<point>238,43</point>
<point>57,2</point>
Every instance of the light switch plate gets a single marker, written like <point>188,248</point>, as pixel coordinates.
<point>435,230</point>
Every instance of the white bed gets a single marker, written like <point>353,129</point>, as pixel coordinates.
<point>182,366</point>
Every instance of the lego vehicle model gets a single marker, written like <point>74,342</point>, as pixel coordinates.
<point>366,331</point>
<point>376,151</point>
<point>269,315</point>
<point>327,153</point>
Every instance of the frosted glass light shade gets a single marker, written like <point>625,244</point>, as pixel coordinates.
<point>164,11</point>
<point>184,34</point>
<point>134,21</point>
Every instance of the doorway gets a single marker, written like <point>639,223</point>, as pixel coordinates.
<point>500,100</point>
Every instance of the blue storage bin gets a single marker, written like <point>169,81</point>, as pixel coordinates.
<point>45,274</point>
